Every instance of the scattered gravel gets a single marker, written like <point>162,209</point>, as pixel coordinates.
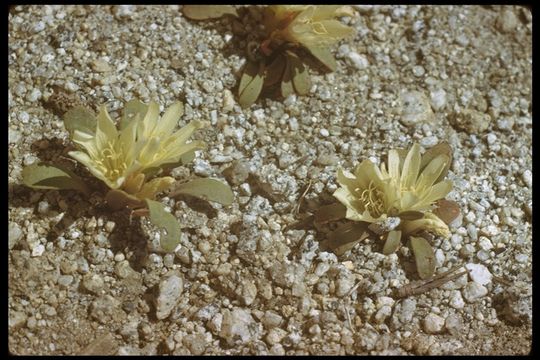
<point>245,280</point>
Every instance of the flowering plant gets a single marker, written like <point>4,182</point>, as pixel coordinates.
<point>277,59</point>
<point>402,198</point>
<point>131,160</point>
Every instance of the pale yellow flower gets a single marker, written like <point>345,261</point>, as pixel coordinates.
<point>308,25</point>
<point>372,194</point>
<point>110,155</point>
<point>120,158</point>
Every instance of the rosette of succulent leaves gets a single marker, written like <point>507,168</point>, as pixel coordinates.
<point>278,62</point>
<point>404,199</point>
<point>132,160</point>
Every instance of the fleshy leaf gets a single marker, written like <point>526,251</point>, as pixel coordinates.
<point>251,84</point>
<point>442,148</point>
<point>118,199</point>
<point>167,224</point>
<point>324,56</point>
<point>411,215</point>
<point>206,189</point>
<point>424,257</point>
<point>52,177</point>
<point>187,157</point>
<point>447,210</point>
<point>274,72</point>
<point>203,12</point>
<point>81,119</point>
<point>392,242</point>
<point>131,109</point>
<point>345,237</point>
<point>286,82</point>
<point>300,75</point>
<point>330,212</point>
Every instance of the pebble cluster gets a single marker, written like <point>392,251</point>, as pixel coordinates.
<point>83,280</point>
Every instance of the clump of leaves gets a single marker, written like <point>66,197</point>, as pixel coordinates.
<point>404,199</point>
<point>131,161</point>
<point>279,62</point>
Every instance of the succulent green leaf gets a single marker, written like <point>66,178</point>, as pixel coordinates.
<point>187,157</point>
<point>250,71</point>
<point>411,215</point>
<point>81,119</point>
<point>203,12</point>
<point>286,82</point>
<point>166,222</point>
<point>131,109</point>
<point>52,177</point>
<point>251,84</point>
<point>392,242</point>
<point>446,210</point>
<point>442,148</point>
<point>118,199</point>
<point>424,257</point>
<point>274,72</point>
<point>345,237</point>
<point>206,189</point>
<point>331,212</point>
<point>324,55</point>
<point>300,75</point>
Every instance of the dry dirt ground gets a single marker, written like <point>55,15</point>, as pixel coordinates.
<point>85,280</point>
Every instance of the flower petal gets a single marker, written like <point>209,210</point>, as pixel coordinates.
<point>344,196</point>
<point>437,191</point>
<point>106,130</point>
<point>84,159</point>
<point>393,164</point>
<point>169,120</point>
<point>322,12</point>
<point>173,154</point>
<point>335,30</point>
<point>149,152</point>
<point>87,143</point>
<point>367,172</point>
<point>182,135</point>
<point>408,200</point>
<point>347,180</point>
<point>127,144</point>
<point>148,124</point>
<point>411,166</point>
<point>431,172</point>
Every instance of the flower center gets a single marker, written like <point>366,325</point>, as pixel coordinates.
<point>372,198</point>
<point>112,162</point>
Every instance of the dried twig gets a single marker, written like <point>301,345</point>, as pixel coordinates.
<point>348,317</point>
<point>299,204</point>
<point>501,280</point>
<point>420,287</point>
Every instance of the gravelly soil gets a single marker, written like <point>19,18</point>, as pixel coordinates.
<point>85,280</point>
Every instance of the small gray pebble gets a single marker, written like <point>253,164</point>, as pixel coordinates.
<point>474,291</point>
<point>433,324</point>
